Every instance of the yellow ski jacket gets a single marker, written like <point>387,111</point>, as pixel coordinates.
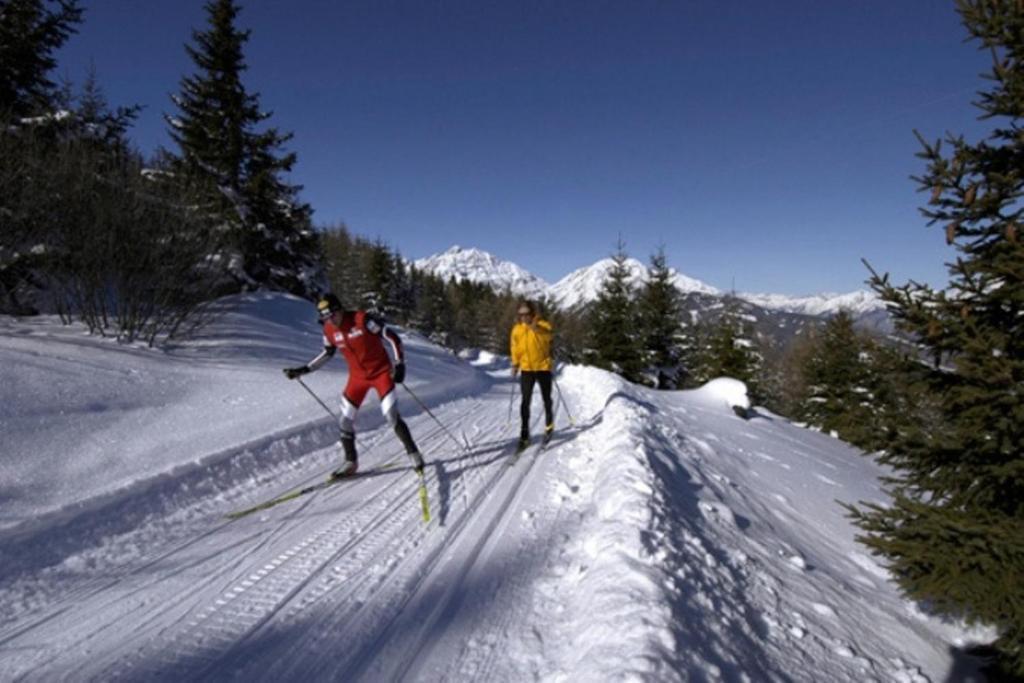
<point>531,350</point>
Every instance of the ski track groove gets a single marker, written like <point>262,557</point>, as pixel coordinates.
<point>225,620</point>
<point>141,630</point>
<point>478,660</point>
<point>414,651</point>
<point>356,605</point>
<point>452,601</point>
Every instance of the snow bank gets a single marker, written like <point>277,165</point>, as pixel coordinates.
<point>713,547</point>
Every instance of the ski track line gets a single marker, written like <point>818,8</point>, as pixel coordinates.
<point>144,629</point>
<point>225,615</point>
<point>219,574</point>
<point>479,656</point>
<point>214,623</point>
<point>156,621</point>
<point>452,600</point>
<point>418,583</point>
<point>91,589</point>
<point>356,605</point>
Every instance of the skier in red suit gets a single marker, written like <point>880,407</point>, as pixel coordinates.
<point>361,339</point>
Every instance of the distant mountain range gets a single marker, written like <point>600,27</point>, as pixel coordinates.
<point>582,286</point>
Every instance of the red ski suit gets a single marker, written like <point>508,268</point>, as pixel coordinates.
<point>360,338</point>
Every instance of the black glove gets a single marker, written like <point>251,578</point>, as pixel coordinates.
<point>398,373</point>
<point>292,373</point>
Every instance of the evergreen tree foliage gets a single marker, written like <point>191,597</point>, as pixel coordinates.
<point>954,534</point>
<point>30,32</point>
<point>837,378</point>
<point>433,315</point>
<point>660,317</point>
<point>235,170</point>
<point>614,336</point>
<point>728,348</point>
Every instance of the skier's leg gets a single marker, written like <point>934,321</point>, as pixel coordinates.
<point>389,407</point>
<point>528,378</point>
<point>348,428</point>
<point>544,379</point>
<point>351,399</point>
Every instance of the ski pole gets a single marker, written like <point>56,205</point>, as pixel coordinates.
<point>511,400</point>
<point>565,405</point>
<point>315,397</point>
<point>440,424</point>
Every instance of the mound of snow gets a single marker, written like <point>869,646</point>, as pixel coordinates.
<point>724,391</point>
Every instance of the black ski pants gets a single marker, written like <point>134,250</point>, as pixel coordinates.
<point>526,382</point>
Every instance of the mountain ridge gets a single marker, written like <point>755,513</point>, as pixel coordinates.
<point>582,285</point>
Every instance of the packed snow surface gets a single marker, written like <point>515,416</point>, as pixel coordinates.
<point>659,537</point>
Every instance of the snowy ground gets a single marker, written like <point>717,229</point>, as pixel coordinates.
<point>660,537</point>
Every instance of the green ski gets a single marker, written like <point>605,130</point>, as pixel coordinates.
<point>306,490</point>
<point>424,504</point>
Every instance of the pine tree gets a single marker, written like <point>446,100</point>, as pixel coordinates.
<point>836,377</point>
<point>954,534</point>
<point>30,34</point>
<point>235,170</point>
<point>728,349</point>
<point>614,342</point>
<point>660,322</point>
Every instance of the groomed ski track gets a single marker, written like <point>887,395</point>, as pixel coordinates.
<point>345,584</point>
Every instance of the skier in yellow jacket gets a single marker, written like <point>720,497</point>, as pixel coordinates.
<point>531,360</point>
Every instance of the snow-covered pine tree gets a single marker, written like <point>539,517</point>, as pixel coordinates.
<point>728,348</point>
<point>660,315</point>
<point>837,377</point>
<point>614,341</point>
<point>235,171</point>
<point>954,533</point>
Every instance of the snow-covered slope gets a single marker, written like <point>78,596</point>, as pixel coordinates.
<point>857,303</point>
<point>660,537</point>
<point>479,266</point>
<point>582,285</point>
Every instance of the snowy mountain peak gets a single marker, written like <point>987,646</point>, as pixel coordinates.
<point>582,286</point>
<point>480,266</point>
<point>856,303</point>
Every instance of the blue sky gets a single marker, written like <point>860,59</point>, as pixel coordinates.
<point>768,144</point>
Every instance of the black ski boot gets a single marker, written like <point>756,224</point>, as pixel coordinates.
<point>524,442</point>
<point>351,464</point>
<point>549,431</point>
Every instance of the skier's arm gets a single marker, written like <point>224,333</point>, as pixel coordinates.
<point>378,328</point>
<point>315,364</point>
<point>396,344</point>
<point>321,359</point>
